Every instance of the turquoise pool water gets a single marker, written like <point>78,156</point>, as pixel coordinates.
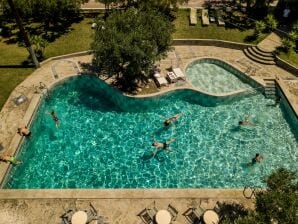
<point>209,76</point>
<point>104,141</point>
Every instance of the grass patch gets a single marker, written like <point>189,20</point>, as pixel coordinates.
<point>186,31</point>
<point>291,57</point>
<point>77,39</point>
<point>12,56</point>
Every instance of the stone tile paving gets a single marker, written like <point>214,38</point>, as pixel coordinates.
<point>115,211</point>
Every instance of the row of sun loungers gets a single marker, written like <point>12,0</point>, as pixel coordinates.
<point>206,18</point>
<point>174,76</point>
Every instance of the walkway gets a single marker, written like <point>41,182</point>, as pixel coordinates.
<point>92,4</point>
<point>270,43</point>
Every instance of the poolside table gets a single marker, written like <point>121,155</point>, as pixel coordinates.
<point>163,217</point>
<point>80,217</point>
<point>210,217</point>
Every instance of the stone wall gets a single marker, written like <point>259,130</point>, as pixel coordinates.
<point>211,42</point>
<point>285,65</point>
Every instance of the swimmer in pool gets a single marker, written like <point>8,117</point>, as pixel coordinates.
<point>55,118</point>
<point>164,145</point>
<point>245,122</point>
<point>170,120</point>
<point>257,159</point>
<point>24,131</point>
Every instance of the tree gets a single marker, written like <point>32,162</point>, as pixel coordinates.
<point>129,42</point>
<point>279,203</point>
<point>23,32</point>
<point>49,11</point>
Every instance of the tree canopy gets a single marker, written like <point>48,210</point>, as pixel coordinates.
<point>279,203</point>
<point>47,11</point>
<point>129,42</point>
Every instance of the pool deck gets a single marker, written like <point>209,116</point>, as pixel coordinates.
<point>45,206</point>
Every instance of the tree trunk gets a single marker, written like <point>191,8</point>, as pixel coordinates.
<point>23,32</point>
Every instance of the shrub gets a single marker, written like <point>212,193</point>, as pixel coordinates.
<point>287,44</point>
<point>260,26</point>
<point>270,22</point>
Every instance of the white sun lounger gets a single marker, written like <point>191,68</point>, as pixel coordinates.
<point>160,81</point>
<point>179,74</point>
<point>193,16</point>
<point>205,17</point>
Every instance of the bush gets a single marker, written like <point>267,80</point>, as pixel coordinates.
<point>260,26</point>
<point>287,44</point>
<point>270,22</point>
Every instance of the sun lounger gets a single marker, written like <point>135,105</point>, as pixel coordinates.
<point>160,81</point>
<point>179,74</point>
<point>193,215</point>
<point>205,17</point>
<point>193,16</point>
<point>173,211</point>
<point>220,20</point>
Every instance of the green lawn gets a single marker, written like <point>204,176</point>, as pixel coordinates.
<point>184,30</point>
<point>291,57</point>
<point>12,56</point>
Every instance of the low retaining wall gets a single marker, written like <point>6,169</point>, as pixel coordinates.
<point>285,65</point>
<point>82,53</point>
<point>212,42</point>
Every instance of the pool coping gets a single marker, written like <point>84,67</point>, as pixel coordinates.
<point>117,193</point>
<point>122,193</point>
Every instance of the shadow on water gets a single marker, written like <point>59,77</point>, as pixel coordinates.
<point>153,155</point>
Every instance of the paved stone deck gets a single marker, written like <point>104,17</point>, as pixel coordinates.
<point>270,43</point>
<point>39,207</point>
<point>121,207</point>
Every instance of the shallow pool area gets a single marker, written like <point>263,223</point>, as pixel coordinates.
<point>104,141</point>
<point>214,76</point>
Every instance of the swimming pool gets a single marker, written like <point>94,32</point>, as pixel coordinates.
<point>104,141</point>
<point>215,76</point>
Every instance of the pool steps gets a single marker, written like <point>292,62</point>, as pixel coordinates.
<point>270,88</point>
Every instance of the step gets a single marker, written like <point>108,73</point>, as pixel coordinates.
<point>263,50</point>
<point>257,55</point>
<point>265,54</point>
<point>265,62</point>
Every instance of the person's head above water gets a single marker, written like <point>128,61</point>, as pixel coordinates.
<point>167,122</point>
<point>240,122</point>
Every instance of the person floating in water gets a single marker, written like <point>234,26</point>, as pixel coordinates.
<point>257,159</point>
<point>55,118</point>
<point>170,120</point>
<point>24,131</point>
<point>246,121</point>
<point>164,145</point>
<point>11,159</point>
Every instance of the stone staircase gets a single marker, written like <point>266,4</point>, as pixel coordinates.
<point>263,52</point>
<point>260,55</point>
<point>270,89</point>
